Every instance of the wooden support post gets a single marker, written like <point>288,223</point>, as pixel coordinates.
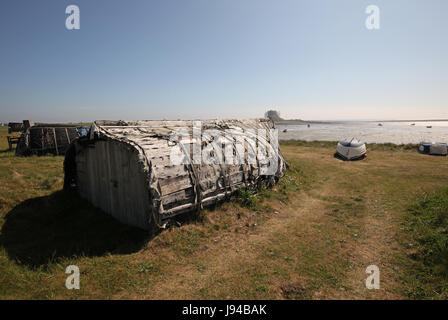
<point>55,141</point>
<point>68,137</point>
<point>12,141</point>
<point>42,139</point>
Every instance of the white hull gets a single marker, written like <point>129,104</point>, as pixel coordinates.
<point>350,151</point>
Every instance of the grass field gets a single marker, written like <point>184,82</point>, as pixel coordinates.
<point>311,237</point>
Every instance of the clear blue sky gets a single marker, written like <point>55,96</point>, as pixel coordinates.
<point>143,59</point>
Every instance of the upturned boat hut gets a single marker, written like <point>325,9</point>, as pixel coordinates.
<point>45,138</point>
<point>145,173</point>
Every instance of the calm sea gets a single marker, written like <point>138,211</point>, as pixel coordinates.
<point>394,132</point>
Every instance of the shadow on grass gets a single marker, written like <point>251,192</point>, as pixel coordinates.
<point>338,156</point>
<point>43,230</point>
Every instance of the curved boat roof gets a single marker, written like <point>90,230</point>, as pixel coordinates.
<point>351,143</point>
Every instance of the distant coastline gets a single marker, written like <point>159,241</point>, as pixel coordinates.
<point>428,120</point>
<point>304,122</point>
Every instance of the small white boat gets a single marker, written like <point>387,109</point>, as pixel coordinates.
<point>351,149</point>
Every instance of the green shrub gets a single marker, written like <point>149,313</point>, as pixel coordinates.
<point>246,198</point>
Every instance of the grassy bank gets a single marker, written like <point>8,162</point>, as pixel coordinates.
<point>427,228</point>
<point>332,144</point>
<point>311,237</point>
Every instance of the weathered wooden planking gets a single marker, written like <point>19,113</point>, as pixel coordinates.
<point>118,186</point>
